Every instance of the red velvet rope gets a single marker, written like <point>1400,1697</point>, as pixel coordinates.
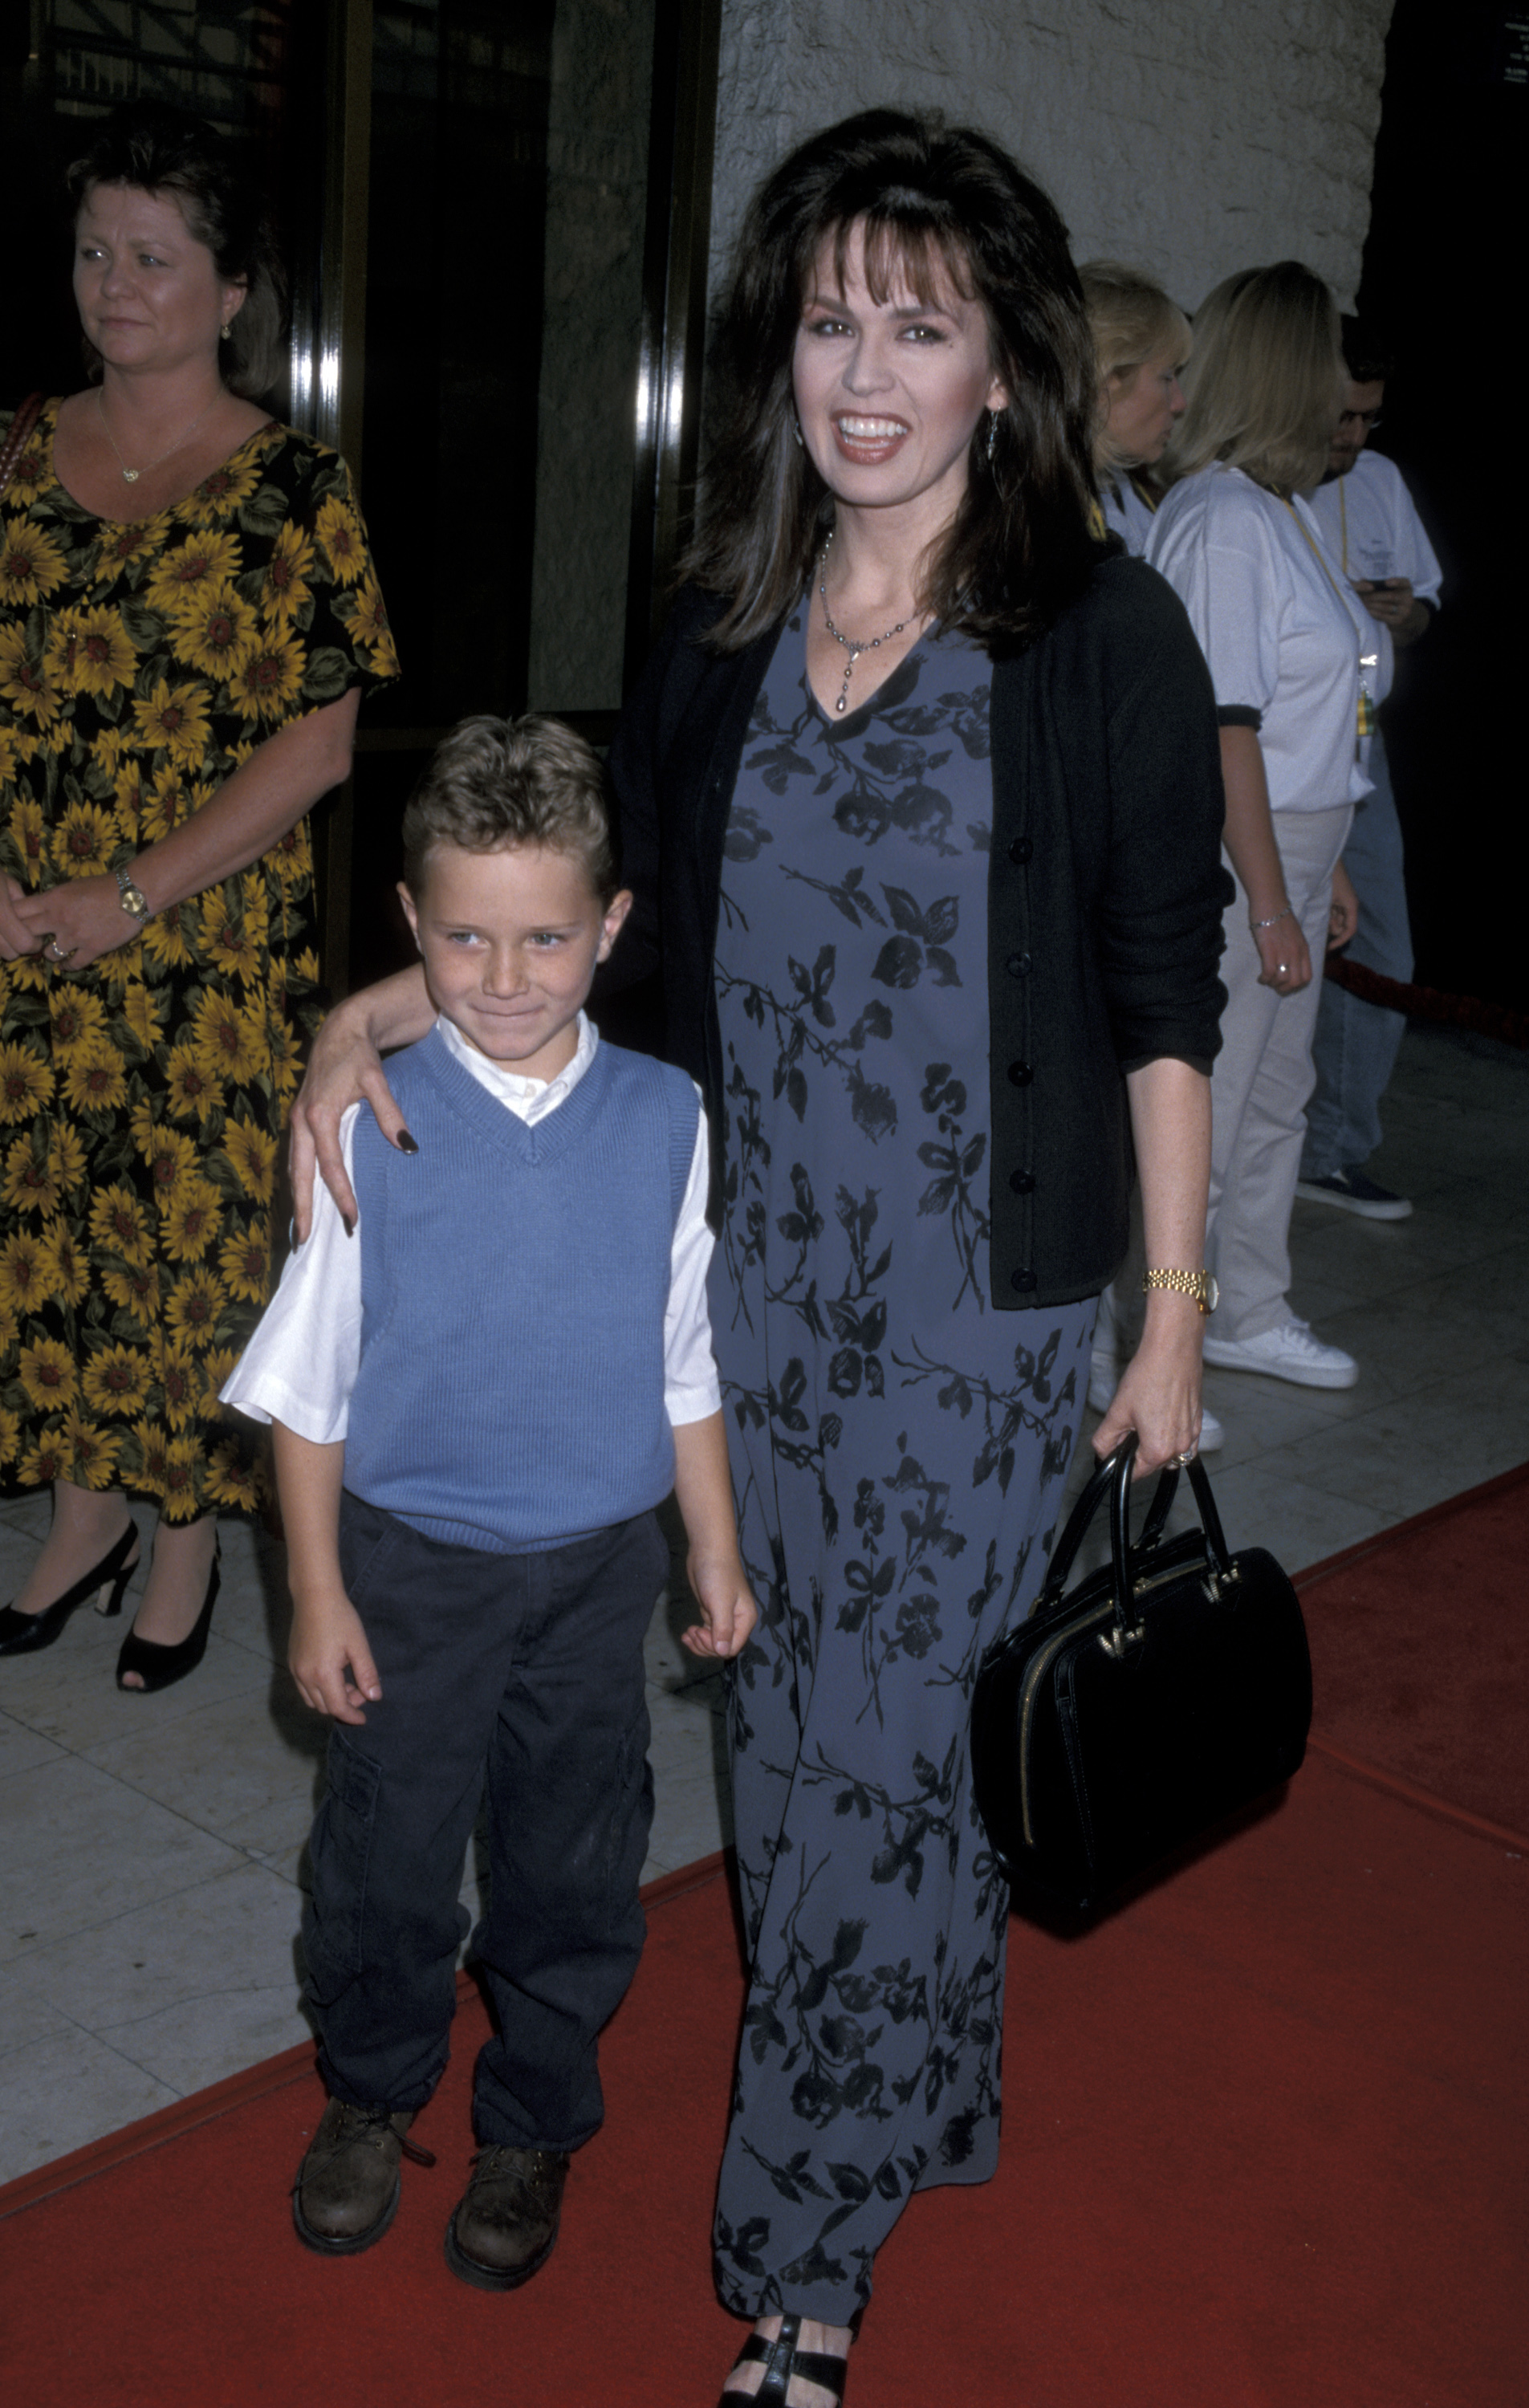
<point>1429,1003</point>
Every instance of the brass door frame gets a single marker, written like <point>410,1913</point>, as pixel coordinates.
<point>676,255</point>
<point>328,350</point>
<point>328,353</point>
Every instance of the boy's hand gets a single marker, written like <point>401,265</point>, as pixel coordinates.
<point>727,1606</point>
<point>330,1661</point>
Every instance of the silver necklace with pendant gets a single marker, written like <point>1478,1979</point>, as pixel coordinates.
<point>131,476</point>
<point>871,644</point>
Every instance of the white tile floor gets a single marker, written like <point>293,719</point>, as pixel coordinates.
<point>150,1849</point>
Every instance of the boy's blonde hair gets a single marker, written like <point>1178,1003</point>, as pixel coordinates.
<point>1266,381</point>
<point>1133,321</point>
<point>496,782</point>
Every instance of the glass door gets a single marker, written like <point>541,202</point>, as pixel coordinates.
<point>495,215</point>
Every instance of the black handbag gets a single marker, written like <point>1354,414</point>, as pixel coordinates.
<point>1170,1689</point>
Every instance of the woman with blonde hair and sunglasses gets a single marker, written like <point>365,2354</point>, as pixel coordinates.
<point>1142,343</point>
<point>1290,649</point>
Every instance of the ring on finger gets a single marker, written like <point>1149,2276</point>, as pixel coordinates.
<point>56,952</point>
<point>1182,1462</point>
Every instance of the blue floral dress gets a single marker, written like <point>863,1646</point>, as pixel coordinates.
<point>899,1452</point>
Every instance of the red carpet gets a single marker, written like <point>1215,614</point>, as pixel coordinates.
<point>1263,2149</point>
<point>1419,1651</point>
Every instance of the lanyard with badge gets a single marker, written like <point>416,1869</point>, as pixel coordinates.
<point>1368,662</point>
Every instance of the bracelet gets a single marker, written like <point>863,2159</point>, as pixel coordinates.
<point>1288,913</point>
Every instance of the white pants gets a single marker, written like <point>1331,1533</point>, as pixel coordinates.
<point>1258,1091</point>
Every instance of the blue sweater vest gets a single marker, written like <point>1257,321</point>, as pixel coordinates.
<point>514,1282</point>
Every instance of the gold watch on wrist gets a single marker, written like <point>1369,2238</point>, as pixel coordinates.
<point>135,901</point>
<point>1199,1284</point>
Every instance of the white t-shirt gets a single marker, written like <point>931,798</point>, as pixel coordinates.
<point>1371,528</point>
<point>1126,513</point>
<point>300,1367</point>
<point>1278,626</point>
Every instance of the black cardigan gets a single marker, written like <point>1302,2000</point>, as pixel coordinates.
<point>1104,895</point>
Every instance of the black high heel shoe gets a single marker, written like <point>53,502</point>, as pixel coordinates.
<point>28,1634</point>
<point>160,1668</point>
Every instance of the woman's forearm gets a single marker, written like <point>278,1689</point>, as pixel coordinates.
<point>1158,1395</point>
<point>1170,1125</point>
<point>397,1010</point>
<point>345,1068</point>
<point>251,810</point>
<point>1249,834</point>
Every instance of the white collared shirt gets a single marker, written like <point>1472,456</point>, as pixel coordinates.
<point>1282,629</point>
<point>1126,513</point>
<point>1371,528</point>
<point>300,1367</point>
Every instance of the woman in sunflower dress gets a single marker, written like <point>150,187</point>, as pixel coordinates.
<point>188,616</point>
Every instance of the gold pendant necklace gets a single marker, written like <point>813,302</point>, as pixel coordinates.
<point>131,476</point>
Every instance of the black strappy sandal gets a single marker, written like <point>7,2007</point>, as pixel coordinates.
<point>781,2359</point>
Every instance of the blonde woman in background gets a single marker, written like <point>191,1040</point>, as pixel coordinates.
<point>1290,647</point>
<point>1142,341</point>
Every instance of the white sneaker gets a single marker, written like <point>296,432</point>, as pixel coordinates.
<point>1105,1378</point>
<point>1287,1353</point>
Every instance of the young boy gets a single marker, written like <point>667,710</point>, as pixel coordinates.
<point>478,1397</point>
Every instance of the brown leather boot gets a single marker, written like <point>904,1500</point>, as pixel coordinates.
<point>346,2194</point>
<point>505,2224</point>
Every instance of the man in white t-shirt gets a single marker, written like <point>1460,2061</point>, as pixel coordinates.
<point>1373,533</point>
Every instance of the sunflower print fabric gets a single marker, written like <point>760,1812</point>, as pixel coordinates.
<point>142,1100</point>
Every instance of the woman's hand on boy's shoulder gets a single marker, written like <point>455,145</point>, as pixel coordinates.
<point>329,1658</point>
<point>728,1610</point>
<point>345,1069</point>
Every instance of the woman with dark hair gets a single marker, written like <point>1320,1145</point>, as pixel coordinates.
<point>919,803</point>
<point>188,616</point>
<point>1292,655</point>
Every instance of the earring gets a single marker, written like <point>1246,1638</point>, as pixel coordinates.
<point>225,333</point>
<point>796,432</point>
<point>993,434</point>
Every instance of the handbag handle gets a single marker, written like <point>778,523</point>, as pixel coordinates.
<point>1113,1477</point>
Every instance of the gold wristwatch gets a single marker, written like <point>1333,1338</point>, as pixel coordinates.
<point>135,901</point>
<point>1199,1284</point>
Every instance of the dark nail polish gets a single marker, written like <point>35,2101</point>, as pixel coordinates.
<point>349,1225</point>
<point>406,1143</point>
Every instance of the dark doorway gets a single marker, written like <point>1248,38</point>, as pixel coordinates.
<point>1441,264</point>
